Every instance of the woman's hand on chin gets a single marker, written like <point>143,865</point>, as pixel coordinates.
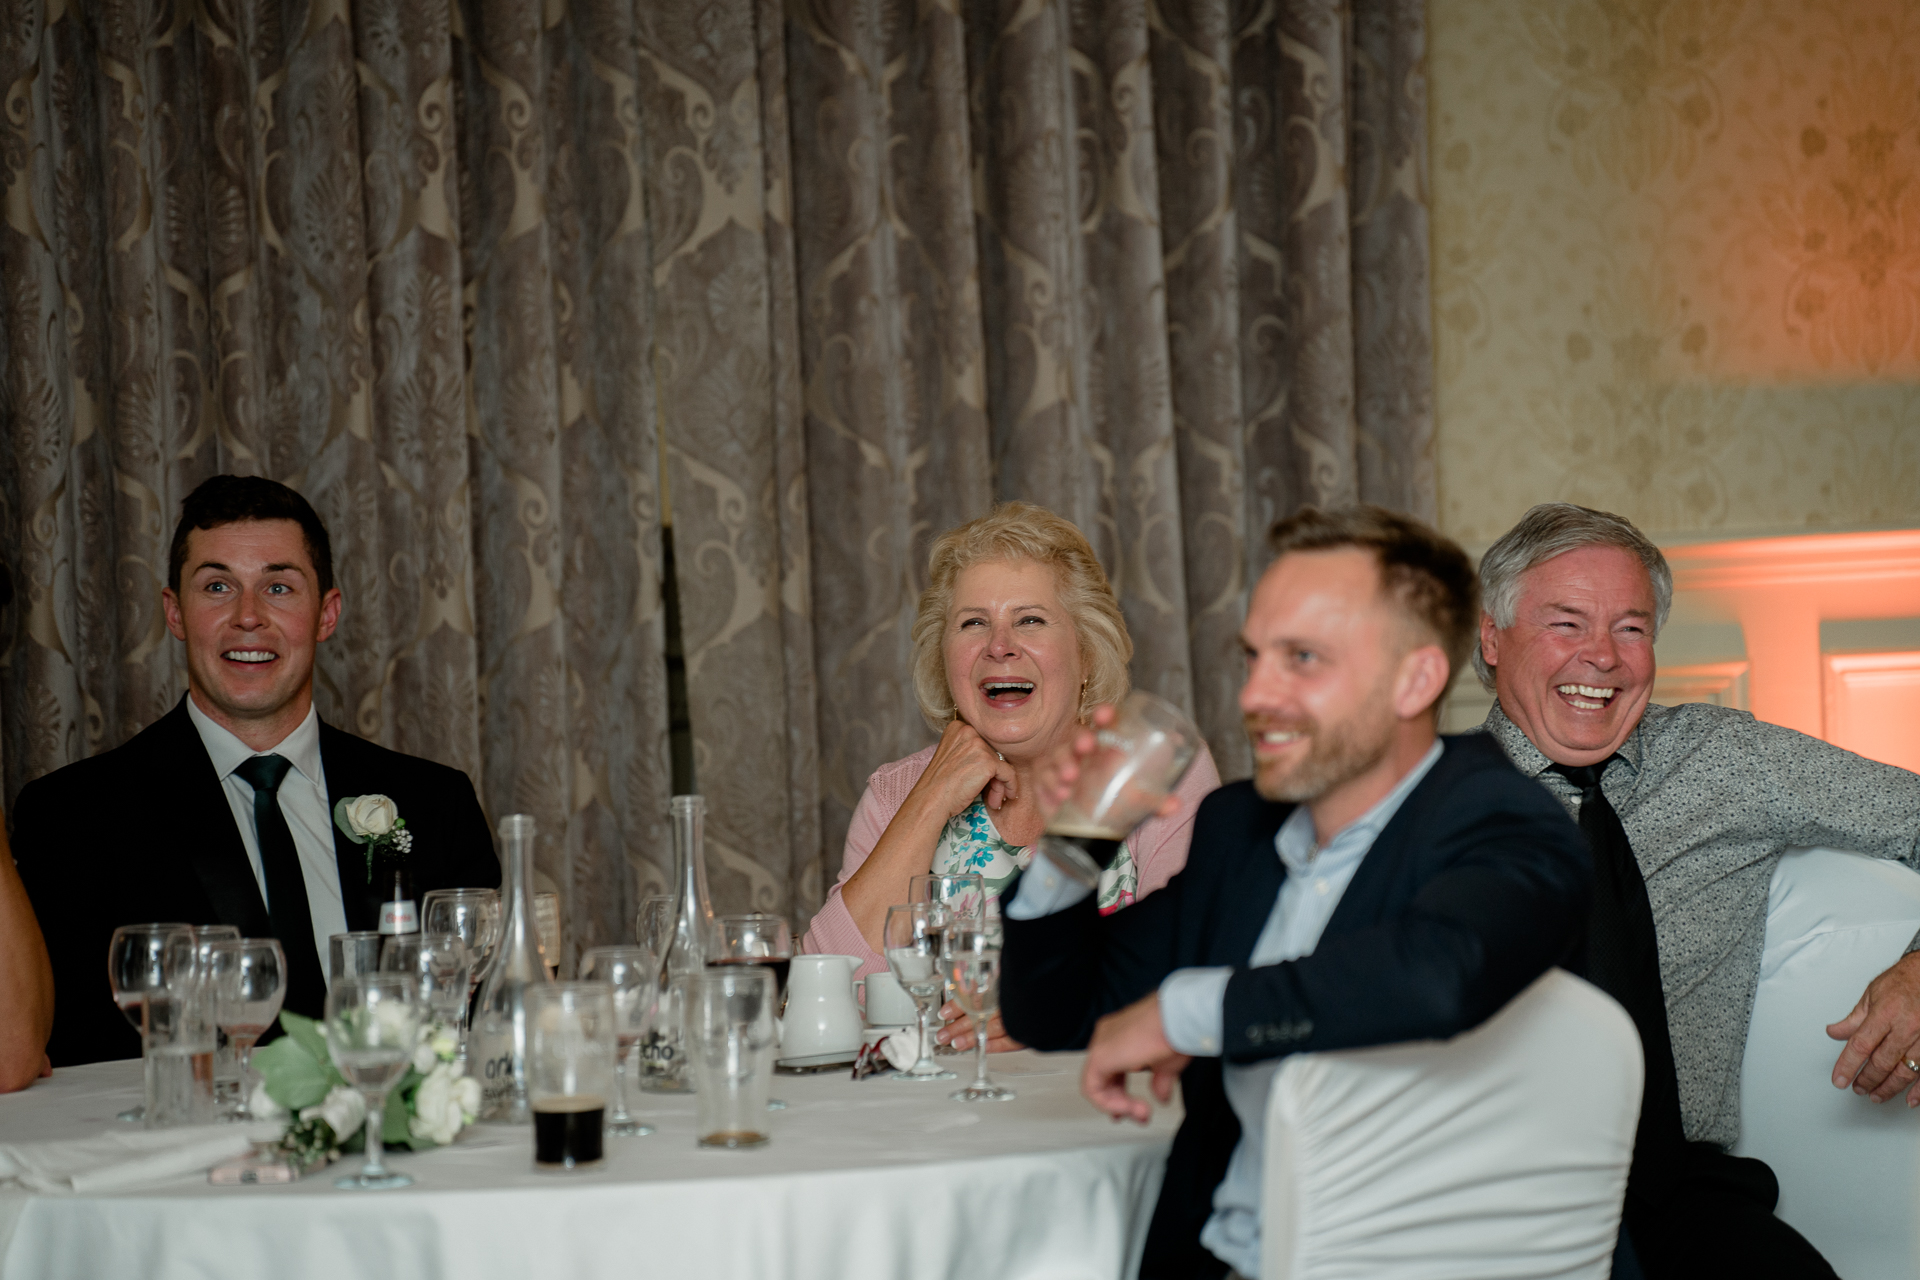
<point>963,766</point>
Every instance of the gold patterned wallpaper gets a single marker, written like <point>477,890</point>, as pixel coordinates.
<point>1677,262</point>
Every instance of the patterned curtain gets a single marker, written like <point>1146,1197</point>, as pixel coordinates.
<point>503,286</point>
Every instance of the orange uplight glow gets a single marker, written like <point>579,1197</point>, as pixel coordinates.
<point>1779,590</point>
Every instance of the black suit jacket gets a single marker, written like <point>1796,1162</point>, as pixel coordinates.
<point>1476,886</point>
<point>144,832</point>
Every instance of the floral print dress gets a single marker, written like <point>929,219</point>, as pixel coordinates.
<point>970,845</point>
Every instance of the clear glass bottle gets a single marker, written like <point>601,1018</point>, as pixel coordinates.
<point>499,1058</point>
<point>663,1057</point>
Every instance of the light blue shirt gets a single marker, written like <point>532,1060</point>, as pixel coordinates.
<point>1192,1000</point>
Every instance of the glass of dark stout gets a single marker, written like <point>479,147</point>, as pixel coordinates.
<point>571,1049</point>
<point>1137,761</point>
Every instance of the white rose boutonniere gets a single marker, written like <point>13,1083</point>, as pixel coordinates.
<point>373,822</point>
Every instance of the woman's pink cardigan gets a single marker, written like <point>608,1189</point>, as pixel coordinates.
<point>1159,847</point>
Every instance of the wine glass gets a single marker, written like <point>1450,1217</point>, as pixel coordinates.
<point>473,915</point>
<point>911,938</point>
<point>249,981</point>
<point>972,964</point>
<point>136,964</point>
<point>762,940</point>
<point>634,975</point>
<point>653,926</point>
<point>963,895</point>
<point>438,962</point>
<point>1136,762</point>
<point>373,1024</point>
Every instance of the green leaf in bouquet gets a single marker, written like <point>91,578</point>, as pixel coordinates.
<point>308,1033</point>
<point>293,1076</point>
<point>393,1127</point>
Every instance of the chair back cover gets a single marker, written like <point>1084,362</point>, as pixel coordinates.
<point>1501,1153</point>
<point>1849,1170</point>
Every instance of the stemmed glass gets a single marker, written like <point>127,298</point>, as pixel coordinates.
<point>373,1024</point>
<point>136,964</point>
<point>634,975</point>
<point>962,894</point>
<point>438,962</point>
<point>249,981</point>
<point>473,915</point>
<point>972,964</point>
<point>911,938</point>
<point>653,926</point>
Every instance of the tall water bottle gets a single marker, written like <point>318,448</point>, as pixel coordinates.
<point>664,1057</point>
<point>500,1019</point>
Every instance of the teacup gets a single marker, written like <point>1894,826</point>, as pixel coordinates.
<point>888,1004</point>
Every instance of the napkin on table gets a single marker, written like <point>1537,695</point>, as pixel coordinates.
<point>120,1158</point>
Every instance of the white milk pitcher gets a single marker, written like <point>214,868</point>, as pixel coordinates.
<point>821,1015</point>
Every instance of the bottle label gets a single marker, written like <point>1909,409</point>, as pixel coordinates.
<point>398,917</point>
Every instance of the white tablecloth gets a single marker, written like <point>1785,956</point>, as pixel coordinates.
<point>876,1179</point>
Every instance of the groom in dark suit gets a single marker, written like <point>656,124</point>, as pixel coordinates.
<point>222,810</point>
<point>1372,883</point>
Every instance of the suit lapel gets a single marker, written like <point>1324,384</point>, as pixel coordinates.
<point>1373,881</point>
<point>1255,884</point>
<point>217,853</point>
<point>346,776</point>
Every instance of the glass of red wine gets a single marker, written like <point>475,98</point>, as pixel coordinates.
<point>765,941</point>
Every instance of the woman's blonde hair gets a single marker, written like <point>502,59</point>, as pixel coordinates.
<point>1022,531</point>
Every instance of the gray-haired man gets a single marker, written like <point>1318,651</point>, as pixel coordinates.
<point>1700,801</point>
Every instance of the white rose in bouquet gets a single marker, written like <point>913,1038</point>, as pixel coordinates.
<point>343,1109</point>
<point>424,1058</point>
<point>445,1041</point>
<point>439,1110</point>
<point>371,817</point>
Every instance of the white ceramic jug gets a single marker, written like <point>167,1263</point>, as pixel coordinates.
<point>821,1014</point>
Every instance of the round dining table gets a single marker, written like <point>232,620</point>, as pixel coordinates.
<point>873,1178</point>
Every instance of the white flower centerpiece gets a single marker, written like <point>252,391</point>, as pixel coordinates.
<point>325,1115</point>
<point>374,823</point>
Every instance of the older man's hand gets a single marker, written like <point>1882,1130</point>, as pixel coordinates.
<point>1883,1035</point>
<point>1130,1040</point>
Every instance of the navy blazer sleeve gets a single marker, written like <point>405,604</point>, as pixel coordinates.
<point>1478,885</point>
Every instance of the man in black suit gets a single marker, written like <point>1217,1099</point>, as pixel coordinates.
<point>222,810</point>
<point>1373,883</point>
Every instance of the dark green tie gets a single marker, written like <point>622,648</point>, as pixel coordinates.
<point>286,886</point>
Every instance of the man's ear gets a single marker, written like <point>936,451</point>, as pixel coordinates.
<point>1421,681</point>
<point>1489,641</point>
<point>330,605</point>
<point>170,606</point>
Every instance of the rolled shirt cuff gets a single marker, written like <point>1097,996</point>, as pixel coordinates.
<point>1043,890</point>
<point>1192,1002</point>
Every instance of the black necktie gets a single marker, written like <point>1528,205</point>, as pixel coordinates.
<point>1623,960</point>
<point>286,886</point>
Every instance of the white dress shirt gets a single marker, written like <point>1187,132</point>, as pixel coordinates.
<point>1192,1000</point>
<point>303,801</point>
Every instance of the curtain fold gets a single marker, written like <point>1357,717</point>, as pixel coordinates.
<point>504,285</point>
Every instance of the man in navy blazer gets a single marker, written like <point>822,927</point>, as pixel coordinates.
<point>1373,883</point>
<point>153,830</point>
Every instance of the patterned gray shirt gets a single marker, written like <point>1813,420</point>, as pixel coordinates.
<point>1710,798</point>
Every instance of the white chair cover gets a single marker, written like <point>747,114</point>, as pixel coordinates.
<point>1849,1170</point>
<point>1501,1153</point>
